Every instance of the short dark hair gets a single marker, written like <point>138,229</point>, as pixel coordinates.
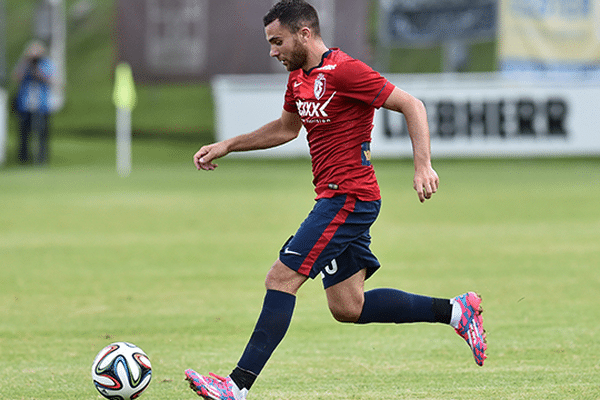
<point>294,14</point>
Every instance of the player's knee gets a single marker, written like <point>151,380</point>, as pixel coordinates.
<point>283,279</point>
<point>346,313</point>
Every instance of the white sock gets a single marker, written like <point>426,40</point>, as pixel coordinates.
<point>239,394</point>
<point>456,313</point>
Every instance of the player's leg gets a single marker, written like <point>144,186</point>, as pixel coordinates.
<point>284,279</point>
<point>282,284</point>
<point>349,303</point>
<point>386,305</point>
<point>294,266</point>
<point>344,278</point>
<point>346,299</point>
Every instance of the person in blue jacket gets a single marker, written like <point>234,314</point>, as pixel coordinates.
<point>33,74</point>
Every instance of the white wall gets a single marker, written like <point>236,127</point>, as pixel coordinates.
<point>470,115</point>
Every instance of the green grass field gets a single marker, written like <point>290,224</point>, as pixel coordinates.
<point>173,260</point>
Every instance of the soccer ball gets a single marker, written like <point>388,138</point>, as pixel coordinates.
<point>121,371</point>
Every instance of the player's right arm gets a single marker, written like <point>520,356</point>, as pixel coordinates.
<point>273,134</point>
<point>426,181</point>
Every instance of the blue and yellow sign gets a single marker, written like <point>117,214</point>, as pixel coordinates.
<point>558,35</point>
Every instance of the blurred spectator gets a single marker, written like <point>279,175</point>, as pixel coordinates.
<point>33,74</point>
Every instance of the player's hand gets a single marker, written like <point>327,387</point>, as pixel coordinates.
<point>203,159</point>
<point>426,183</point>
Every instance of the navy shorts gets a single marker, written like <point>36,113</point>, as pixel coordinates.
<point>334,240</point>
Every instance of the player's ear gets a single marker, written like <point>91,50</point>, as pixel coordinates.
<point>305,33</point>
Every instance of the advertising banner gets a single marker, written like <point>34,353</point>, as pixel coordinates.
<point>427,22</point>
<point>470,115</point>
<point>554,35</point>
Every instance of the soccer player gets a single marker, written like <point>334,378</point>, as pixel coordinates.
<point>334,96</point>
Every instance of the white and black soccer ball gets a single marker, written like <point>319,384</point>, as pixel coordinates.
<point>121,371</point>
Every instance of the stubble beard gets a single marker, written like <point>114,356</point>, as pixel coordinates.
<point>298,57</point>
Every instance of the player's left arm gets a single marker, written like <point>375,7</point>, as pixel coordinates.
<point>426,180</point>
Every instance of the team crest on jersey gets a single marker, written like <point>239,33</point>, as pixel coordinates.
<point>320,86</point>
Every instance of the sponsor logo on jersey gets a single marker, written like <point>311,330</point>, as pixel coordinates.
<point>320,86</point>
<point>313,109</point>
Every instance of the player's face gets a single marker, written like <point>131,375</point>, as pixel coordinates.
<point>286,46</point>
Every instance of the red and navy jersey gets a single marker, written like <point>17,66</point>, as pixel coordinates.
<point>337,102</point>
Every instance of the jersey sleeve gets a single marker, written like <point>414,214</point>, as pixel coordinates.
<point>359,81</point>
<point>289,104</point>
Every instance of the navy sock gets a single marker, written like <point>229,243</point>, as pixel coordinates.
<point>270,329</point>
<point>396,306</point>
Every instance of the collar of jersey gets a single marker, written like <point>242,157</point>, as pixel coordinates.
<point>323,57</point>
